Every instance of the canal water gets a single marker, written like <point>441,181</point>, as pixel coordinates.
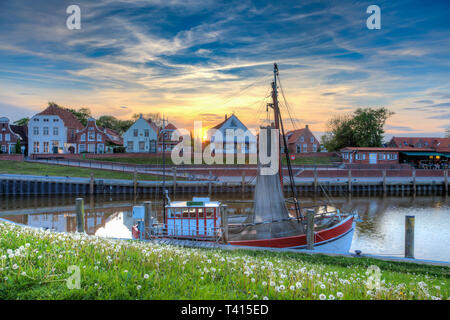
<point>380,232</point>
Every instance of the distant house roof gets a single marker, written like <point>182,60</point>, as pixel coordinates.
<point>382,149</point>
<point>70,121</point>
<point>420,142</point>
<point>22,131</point>
<point>153,125</point>
<point>295,134</point>
<point>113,136</point>
<point>222,123</point>
<point>170,126</point>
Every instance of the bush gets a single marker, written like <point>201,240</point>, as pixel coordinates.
<point>119,150</point>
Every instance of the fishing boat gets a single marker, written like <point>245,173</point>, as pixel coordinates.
<point>275,222</point>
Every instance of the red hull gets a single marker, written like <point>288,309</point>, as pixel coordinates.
<point>321,237</point>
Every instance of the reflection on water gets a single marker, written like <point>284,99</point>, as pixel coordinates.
<point>380,232</point>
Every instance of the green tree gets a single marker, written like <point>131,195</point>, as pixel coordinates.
<point>22,122</point>
<point>363,128</point>
<point>18,146</point>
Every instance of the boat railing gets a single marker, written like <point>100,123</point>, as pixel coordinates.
<point>161,231</point>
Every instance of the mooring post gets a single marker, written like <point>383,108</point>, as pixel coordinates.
<point>135,181</point>
<point>315,180</point>
<point>446,181</point>
<point>310,229</point>
<point>243,184</point>
<point>224,223</point>
<point>414,181</point>
<point>349,181</point>
<point>384,181</point>
<point>409,236</point>
<point>147,217</point>
<point>174,171</point>
<point>79,205</point>
<point>91,184</point>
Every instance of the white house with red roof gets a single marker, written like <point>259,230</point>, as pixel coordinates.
<point>142,136</point>
<point>53,131</point>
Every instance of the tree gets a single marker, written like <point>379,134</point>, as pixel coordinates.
<point>363,128</point>
<point>155,117</point>
<point>115,124</point>
<point>18,147</point>
<point>22,122</point>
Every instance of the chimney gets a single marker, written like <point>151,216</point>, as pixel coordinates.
<point>307,127</point>
<point>226,117</point>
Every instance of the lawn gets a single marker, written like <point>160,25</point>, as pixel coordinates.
<point>22,167</point>
<point>34,264</point>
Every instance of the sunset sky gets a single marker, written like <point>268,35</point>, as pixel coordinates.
<point>201,59</point>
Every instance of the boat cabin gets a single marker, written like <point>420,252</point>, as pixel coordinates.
<point>199,218</point>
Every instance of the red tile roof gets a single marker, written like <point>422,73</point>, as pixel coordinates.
<point>430,142</point>
<point>70,121</point>
<point>384,149</point>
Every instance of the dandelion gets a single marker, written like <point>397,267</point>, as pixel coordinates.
<point>146,276</point>
<point>265,298</point>
<point>138,287</point>
<point>298,285</point>
<point>292,288</point>
<point>331,297</point>
<point>339,294</point>
<point>15,266</point>
<point>322,296</point>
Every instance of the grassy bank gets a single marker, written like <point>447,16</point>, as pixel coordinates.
<point>34,264</point>
<point>21,167</point>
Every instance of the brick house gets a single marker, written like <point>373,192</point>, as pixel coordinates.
<point>10,135</point>
<point>169,143</point>
<point>94,139</point>
<point>53,131</point>
<point>363,155</point>
<point>302,141</point>
<point>438,144</point>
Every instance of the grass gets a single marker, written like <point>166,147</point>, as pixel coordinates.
<point>313,160</point>
<point>34,265</point>
<point>22,167</point>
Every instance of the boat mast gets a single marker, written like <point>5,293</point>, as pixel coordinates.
<point>163,132</point>
<point>276,116</point>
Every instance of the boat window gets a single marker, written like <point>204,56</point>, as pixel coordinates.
<point>185,212</point>
<point>201,213</point>
<point>192,213</point>
<point>209,212</point>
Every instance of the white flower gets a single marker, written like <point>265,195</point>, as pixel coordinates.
<point>138,287</point>
<point>298,285</point>
<point>264,283</point>
<point>292,288</point>
<point>15,266</point>
<point>339,294</point>
<point>23,273</point>
<point>330,297</point>
<point>322,296</point>
<point>146,276</point>
<point>265,298</point>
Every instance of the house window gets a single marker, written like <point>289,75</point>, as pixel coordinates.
<point>55,144</point>
<point>141,145</point>
<point>99,137</point>
<point>36,131</point>
<point>3,148</point>
<point>314,147</point>
<point>360,156</point>
<point>55,120</point>
<point>36,147</point>
<point>345,155</point>
<point>45,147</point>
<point>7,137</point>
<point>146,132</point>
<point>36,119</point>
<point>82,148</point>
<point>305,147</point>
<point>130,146</point>
<point>1,137</point>
<point>55,131</point>
<point>381,156</point>
<point>45,120</point>
<point>312,139</point>
<point>45,131</point>
<point>91,136</point>
<point>83,137</point>
<point>302,139</point>
<point>135,132</point>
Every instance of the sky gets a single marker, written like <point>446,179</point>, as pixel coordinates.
<point>202,59</point>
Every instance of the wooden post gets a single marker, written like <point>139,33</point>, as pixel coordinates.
<point>409,237</point>
<point>147,217</point>
<point>224,223</point>
<point>135,182</point>
<point>79,206</point>
<point>414,181</point>
<point>310,229</point>
<point>349,181</point>
<point>91,184</point>
<point>315,181</point>
<point>384,182</point>
<point>174,171</point>
<point>243,184</point>
<point>446,181</point>
<point>209,183</point>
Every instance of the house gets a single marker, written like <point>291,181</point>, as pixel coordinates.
<point>10,135</point>
<point>438,144</point>
<point>53,131</point>
<point>217,136</point>
<point>94,139</point>
<point>142,136</point>
<point>369,155</point>
<point>302,141</point>
<point>169,142</point>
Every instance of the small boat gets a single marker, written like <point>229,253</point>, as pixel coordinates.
<point>271,224</point>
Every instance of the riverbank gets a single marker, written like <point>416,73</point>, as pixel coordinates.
<point>34,168</point>
<point>34,264</point>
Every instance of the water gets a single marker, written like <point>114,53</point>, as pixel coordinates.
<point>381,232</point>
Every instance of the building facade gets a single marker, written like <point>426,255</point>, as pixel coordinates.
<point>169,141</point>
<point>92,139</point>
<point>361,155</point>
<point>53,131</point>
<point>142,136</point>
<point>243,139</point>
<point>302,141</point>
<point>10,135</point>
